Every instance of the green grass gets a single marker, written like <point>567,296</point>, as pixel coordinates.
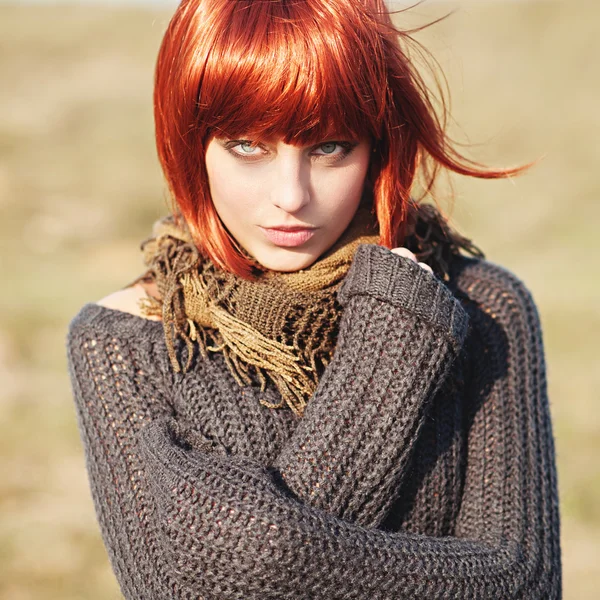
<point>80,186</point>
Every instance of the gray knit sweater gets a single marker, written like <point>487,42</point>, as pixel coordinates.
<point>423,466</point>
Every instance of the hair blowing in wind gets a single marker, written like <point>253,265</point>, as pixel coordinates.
<point>301,70</point>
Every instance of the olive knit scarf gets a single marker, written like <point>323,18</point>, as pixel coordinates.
<point>280,327</point>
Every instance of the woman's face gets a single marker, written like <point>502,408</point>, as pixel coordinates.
<point>286,205</point>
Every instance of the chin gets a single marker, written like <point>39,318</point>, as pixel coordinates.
<point>288,262</point>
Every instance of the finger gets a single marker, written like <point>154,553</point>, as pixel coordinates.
<point>426,267</point>
<point>405,252</point>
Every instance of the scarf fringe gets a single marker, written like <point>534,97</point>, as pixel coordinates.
<point>214,330</point>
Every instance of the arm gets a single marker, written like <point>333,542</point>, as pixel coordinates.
<point>401,331</point>
<point>179,521</point>
<point>251,541</point>
<point>120,384</point>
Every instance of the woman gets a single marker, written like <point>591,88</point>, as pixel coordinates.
<point>282,407</point>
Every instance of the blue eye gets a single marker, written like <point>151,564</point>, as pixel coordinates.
<point>334,151</point>
<point>247,147</point>
<point>327,152</point>
<point>329,147</point>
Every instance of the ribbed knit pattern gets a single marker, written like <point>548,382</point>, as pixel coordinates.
<point>423,466</point>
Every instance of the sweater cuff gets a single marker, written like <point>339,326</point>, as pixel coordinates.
<point>378,272</point>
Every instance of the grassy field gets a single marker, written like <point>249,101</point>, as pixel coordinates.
<point>80,186</point>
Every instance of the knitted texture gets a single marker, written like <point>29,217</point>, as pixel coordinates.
<point>423,466</point>
<point>281,326</point>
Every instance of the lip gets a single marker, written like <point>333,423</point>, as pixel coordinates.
<point>288,236</point>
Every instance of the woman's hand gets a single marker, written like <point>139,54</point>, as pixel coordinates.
<point>406,252</point>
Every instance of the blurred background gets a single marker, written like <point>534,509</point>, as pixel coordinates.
<point>80,186</point>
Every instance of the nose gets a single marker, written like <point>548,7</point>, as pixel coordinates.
<point>290,190</point>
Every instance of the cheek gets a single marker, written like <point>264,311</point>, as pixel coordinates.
<point>342,189</point>
<point>232,192</point>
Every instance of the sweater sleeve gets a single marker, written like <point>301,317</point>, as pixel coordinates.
<point>230,531</point>
<point>120,384</point>
<point>401,331</point>
<point>183,519</point>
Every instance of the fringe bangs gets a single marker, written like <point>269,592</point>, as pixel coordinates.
<point>301,71</point>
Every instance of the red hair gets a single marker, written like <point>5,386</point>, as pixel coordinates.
<point>301,71</point>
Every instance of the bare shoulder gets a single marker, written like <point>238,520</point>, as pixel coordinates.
<point>127,299</point>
